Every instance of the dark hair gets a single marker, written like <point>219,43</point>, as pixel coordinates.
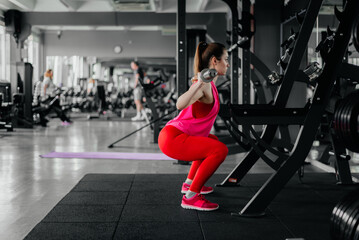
<point>204,53</point>
<point>136,62</point>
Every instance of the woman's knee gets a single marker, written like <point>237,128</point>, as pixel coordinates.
<point>222,150</point>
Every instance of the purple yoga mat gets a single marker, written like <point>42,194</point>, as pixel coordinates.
<point>108,155</point>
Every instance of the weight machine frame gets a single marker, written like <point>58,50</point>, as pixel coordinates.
<point>287,164</point>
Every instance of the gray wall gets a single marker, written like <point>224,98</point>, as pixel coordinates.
<point>268,16</point>
<point>267,36</point>
<point>102,43</point>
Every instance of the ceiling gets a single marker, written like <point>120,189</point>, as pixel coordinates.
<point>159,6</point>
<point>112,5</point>
<point>122,8</point>
<point>56,15</point>
<point>107,6</point>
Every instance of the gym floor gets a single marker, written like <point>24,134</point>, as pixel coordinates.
<point>31,186</point>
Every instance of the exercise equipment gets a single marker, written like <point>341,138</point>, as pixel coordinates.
<point>5,106</point>
<point>275,78</point>
<point>22,95</point>
<point>234,60</point>
<point>344,221</point>
<point>290,40</point>
<point>346,121</point>
<point>144,126</point>
<point>326,43</point>
<point>103,109</point>
<point>286,162</point>
<point>283,61</point>
<point>155,105</point>
<point>207,75</point>
<point>238,44</point>
<point>254,73</point>
<point>5,115</point>
<point>50,106</point>
<point>313,71</point>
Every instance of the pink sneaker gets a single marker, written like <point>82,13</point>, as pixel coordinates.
<point>204,190</point>
<point>65,123</point>
<point>198,202</point>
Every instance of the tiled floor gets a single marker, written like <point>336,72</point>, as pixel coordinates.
<point>31,186</point>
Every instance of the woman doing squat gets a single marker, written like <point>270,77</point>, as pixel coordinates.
<point>187,137</point>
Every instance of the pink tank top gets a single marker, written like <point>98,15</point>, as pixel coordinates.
<point>187,123</point>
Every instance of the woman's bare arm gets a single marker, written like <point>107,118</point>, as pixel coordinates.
<point>192,95</point>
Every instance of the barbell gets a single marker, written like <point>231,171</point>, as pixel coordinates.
<point>208,74</point>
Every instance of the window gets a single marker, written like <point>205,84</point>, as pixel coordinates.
<point>4,55</point>
<point>32,46</point>
<point>67,70</point>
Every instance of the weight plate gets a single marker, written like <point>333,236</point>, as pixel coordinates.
<point>354,125</point>
<point>338,207</point>
<point>340,212</point>
<point>346,121</point>
<point>343,215</point>
<point>356,234</point>
<point>352,144</point>
<point>346,115</point>
<point>352,223</point>
<point>338,112</point>
<point>355,33</point>
<point>336,217</point>
<point>347,219</point>
<point>336,116</point>
<point>341,118</point>
<point>353,102</point>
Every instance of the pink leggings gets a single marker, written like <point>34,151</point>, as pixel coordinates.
<point>207,153</point>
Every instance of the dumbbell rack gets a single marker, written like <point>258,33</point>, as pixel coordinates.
<point>288,164</point>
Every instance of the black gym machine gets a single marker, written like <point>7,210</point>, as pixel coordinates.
<point>20,104</point>
<point>5,106</point>
<point>21,84</point>
<point>288,161</point>
<point>289,158</point>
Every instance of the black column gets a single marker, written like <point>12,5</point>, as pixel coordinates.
<point>182,84</point>
<point>24,86</point>
<point>233,5</point>
<point>194,36</point>
<point>246,54</point>
<point>182,75</point>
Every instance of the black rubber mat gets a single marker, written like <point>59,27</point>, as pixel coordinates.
<point>145,206</point>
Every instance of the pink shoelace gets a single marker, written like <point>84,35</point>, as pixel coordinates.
<point>201,197</point>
